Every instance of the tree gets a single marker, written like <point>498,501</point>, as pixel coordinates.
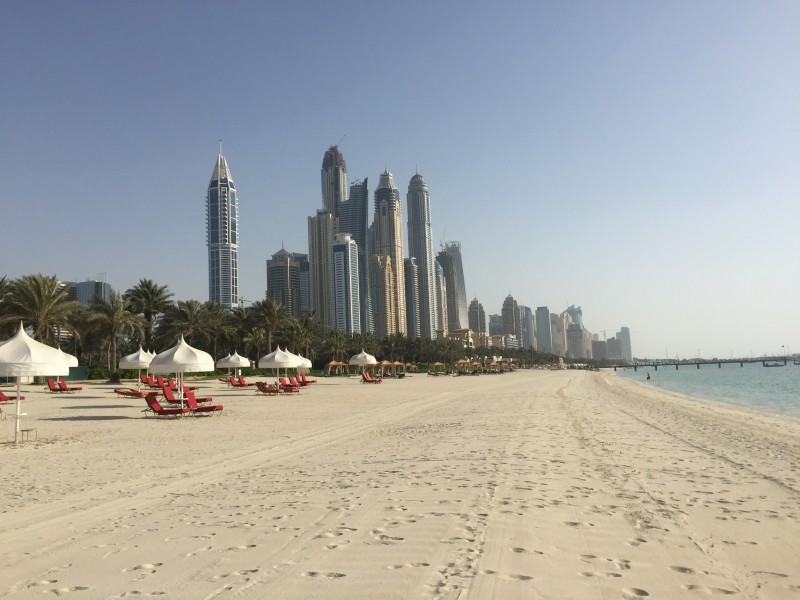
<point>42,303</point>
<point>337,344</point>
<point>270,316</point>
<point>187,318</point>
<point>112,319</point>
<point>149,300</point>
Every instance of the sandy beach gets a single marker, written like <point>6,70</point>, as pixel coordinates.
<point>535,484</point>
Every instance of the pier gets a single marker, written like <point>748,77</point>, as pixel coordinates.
<point>767,361</point>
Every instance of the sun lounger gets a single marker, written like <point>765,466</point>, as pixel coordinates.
<point>4,398</point>
<point>189,394</point>
<point>158,411</point>
<point>269,389</point>
<point>53,386</point>
<point>296,381</point>
<point>62,385</point>
<point>288,387</point>
<point>197,409</point>
<point>131,393</point>
<point>367,378</point>
<point>306,380</point>
<point>243,383</point>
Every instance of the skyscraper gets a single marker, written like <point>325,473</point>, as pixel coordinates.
<point>477,317</point>
<point>412,298</point>
<point>222,235</point>
<point>528,328</point>
<point>441,301</point>
<point>388,241</point>
<point>345,297</point>
<point>420,246</point>
<point>354,219</point>
<point>334,180</point>
<point>511,318</point>
<point>624,336</point>
<point>321,231</point>
<point>544,339</point>
<point>450,260</point>
<point>283,281</point>
<point>382,289</point>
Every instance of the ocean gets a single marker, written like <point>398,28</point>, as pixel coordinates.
<point>772,389</point>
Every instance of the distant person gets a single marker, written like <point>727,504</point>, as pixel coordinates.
<point>648,376</point>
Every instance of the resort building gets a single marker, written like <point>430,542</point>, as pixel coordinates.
<point>450,260</point>
<point>420,246</point>
<point>222,235</point>
<point>345,296</point>
<point>387,228</point>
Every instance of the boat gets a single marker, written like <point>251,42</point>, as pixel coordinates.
<point>775,364</point>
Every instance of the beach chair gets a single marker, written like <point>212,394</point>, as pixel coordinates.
<point>53,386</point>
<point>197,409</point>
<point>62,385</point>
<point>367,378</point>
<point>4,398</point>
<point>234,382</point>
<point>306,380</point>
<point>158,411</point>
<point>130,393</point>
<point>169,395</point>
<point>243,383</point>
<point>151,381</point>
<point>296,381</point>
<point>189,394</point>
<point>143,380</point>
<point>268,389</point>
<point>288,387</point>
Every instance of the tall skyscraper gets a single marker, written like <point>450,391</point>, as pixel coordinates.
<point>477,317</point>
<point>544,339</point>
<point>283,281</point>
<point>334,180</point>
<point>354,219</point>
<point>412,298</point>
<point>345,297</point>
<point>511,318</point>
<point>321,234</point>
<point>450,260</point>
<point>388,241</point>
<point>382,289</point>
<point>527,328</point>
<point>420,246</point>
<point>222,235</point>
<point>441,301</point>
<point>624,336</point>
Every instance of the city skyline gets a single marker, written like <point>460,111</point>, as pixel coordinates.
<point>639,160</point>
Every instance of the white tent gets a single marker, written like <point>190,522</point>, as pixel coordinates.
<point>180,359</point>
<point>22,356</point>
<point>279,359</point>
<point>140,359</point>
<point>233,361</point>
<point>363,359</point>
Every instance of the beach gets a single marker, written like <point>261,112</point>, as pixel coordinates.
<point>532,484</point>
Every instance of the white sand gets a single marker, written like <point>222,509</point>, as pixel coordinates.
<point>524,485</point>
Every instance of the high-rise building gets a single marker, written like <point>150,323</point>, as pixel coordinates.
<point>334,180</point>
<point>85,291</point>
<point>527,328</point>
<point>412,298</point>
<point>388,241</point>
<point>420,246</point>
<point>544,340</point>
<point>477,317</point>
<point>222,236</point>
<point>382,289</point>
<point>558,333</point>
<point>283,281</point>
<point>495,325</point>
<point>450,260</point>
<point>354,219</point>
<point>510,316</point>
<point>441,301</point>
<point>624,336</point>
<point>345,296</point>
<point>322,230</point>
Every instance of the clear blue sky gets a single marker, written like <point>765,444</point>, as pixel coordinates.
<point>639,159</point>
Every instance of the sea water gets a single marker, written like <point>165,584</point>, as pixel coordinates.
<point>772,389</point>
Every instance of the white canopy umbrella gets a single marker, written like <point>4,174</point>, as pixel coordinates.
<point>140,359</point>
<point>72,361</point>
<point>306,363</point>
<point>22,356</point>
<point>279,359</point>
<point>233,361</point>
<point>363,359</point>
<point>180,359</point>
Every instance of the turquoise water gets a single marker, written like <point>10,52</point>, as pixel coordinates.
<point>775,389</point>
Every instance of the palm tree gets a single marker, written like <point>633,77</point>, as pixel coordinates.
<point>270,316</point>
<point>112,319</point>
<point>41,302</point>
<point>393,344</point>
<point>307,334</point>
<point>149,300</point>
<point>337,344</point>
<point>217,325</point>
<point>187,318</point>
<point>363,341</point>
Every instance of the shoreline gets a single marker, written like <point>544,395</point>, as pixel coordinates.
<point>553,484</point>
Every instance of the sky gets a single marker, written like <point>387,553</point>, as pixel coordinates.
<point>638,159</point>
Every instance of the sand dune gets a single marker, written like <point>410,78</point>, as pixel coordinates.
<point>524,485</point>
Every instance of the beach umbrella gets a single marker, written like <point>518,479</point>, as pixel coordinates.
<point>180,359</point>
<point>225,362</point>
<point>279,359</point>
<point>72,361</point>
<point>306,362</point>
<point>298,361</point>
<point>238,362</point>
<point>22,356</point>
<point>139,360</point>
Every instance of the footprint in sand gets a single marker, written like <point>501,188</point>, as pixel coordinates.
<point>148,568</point>
<point>709,589</point>
<point>633,593</point>
<point>636,541</point>
<point>685,570</point>
<point>327,575</point>
<point>412,564</point>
